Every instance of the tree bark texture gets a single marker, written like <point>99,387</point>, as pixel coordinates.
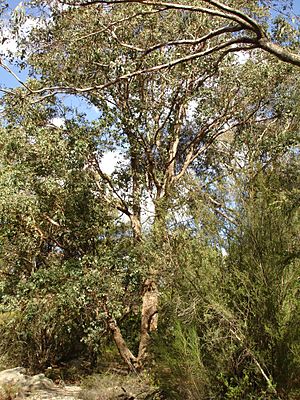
<point>149,318</point>
<point>120,342</point>
<point>122,347</point>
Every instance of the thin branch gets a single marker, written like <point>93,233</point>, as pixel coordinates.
<point>11,72</point>
<point>156,68</point>
<point>218,209</point>
<point>126,45</point>
<point>191,157</point>
<point>226,216</point>
<point>166,119</point>
<point>6,91</point>
<point>236,12</point>
<point>268,380</point>
<point>119,21</point>
<point>47,96</point>
<point>52,221</point>
<point>124,208</point>
<point>171,6</point>
<point>202,39</point>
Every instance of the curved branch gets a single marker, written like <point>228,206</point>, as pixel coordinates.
<point>171,6</point>
<point>156,68</point>
<point>221,10</point>
<point>11,72</point>
<point>202,39</point>
<point>280,52</point>
<point>238,13</point>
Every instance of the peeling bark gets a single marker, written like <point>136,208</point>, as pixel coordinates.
<point>136,227</point>
<point>149,318</point>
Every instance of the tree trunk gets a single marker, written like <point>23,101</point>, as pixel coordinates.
<point>149,318</point>
<point>122,347</point>
<point>136,226</point>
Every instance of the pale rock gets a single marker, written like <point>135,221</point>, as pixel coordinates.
<point>16,377</point>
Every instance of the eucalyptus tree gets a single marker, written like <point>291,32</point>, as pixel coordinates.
<point>248,21</point>
<point>265,26</point>
<point>165,102</point>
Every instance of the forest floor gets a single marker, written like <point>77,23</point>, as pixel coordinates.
<point>109,385</point>
<point>70,392</point>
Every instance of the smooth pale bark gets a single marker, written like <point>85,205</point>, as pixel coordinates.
<point>149,314</point>
<point>149,311</point>
<point>280,52</point>
<point>149,319</point>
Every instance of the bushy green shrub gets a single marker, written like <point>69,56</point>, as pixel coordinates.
<point>46,320</point>
<point>230,325</point>
<point>180,370</point>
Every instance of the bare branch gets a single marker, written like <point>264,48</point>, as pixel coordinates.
<point>11,72</point>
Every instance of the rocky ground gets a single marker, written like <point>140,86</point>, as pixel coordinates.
<point>63,393</point>
<point>15,384</point>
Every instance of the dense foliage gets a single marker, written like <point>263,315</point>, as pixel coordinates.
<point>185,253</point>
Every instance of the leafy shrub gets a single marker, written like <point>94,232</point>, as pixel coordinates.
<point>235,320</point>
<point>51,313</point>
